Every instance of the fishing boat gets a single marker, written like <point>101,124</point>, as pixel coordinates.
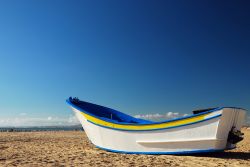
<point>208,130</point>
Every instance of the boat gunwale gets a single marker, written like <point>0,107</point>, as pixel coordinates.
<point>153,123</point>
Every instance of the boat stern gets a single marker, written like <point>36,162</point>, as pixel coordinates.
<point>230,125</point>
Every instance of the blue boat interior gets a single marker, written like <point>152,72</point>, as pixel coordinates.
<point>111,115</point>
<point>104,113</point>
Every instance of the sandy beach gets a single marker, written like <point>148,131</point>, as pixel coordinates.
<point>72,148</point>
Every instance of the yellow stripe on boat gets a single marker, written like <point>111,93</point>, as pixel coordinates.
<point>163,125</point>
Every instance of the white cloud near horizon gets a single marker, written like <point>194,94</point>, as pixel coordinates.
<point>25,121</point>
<point>157,116</point>
<point>171,115</point>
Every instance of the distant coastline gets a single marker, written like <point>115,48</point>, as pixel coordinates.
<point>42,128</point>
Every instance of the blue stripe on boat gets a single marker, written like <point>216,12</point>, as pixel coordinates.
<point>160,153</point>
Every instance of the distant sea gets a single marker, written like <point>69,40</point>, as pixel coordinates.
<point>41,128</point>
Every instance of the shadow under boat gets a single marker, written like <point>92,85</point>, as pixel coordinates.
<point>223,155</point>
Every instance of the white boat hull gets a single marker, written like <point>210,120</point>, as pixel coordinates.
<point>204,136</point>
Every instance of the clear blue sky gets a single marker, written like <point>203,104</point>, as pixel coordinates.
<point>135,56</point>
